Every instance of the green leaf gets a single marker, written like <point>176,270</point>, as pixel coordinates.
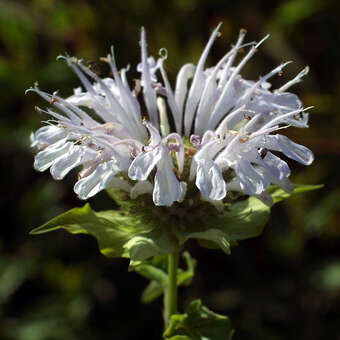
<point>118,234</point>
<point>152,292</point>
<point>157,241</point>
<point>279,194</point>
<point>156,271</point>
<point>136,230</point>
<point>185,277</point>
<point>238,221</point>
<point>198,323</point>
<point>154,274</point>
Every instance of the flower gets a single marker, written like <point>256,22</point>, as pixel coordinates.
<point>222,134</point>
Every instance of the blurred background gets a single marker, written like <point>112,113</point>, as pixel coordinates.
<point>284,284</point>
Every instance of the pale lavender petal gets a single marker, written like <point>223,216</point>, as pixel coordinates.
<point>252,182</point>
<point>143,164</point>
<point>176,112</point>
<point>180,151</point>
<point>75,156</point>
<point>290,149</point>
<point>44,159</point>
<point>98,180</point>
<point>47,135</point>
<point>274,165</point>
<point>149,92</point>
<point>197,85</point>
<point>167,188</point>
<point>209,180</point>
<point>186,72</point>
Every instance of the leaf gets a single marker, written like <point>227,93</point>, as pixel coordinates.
<point>238,221</point>
<point>118,234</point>
<point>179,337</point>
<point>184,277</point>
<point>157,241</point>
<point>156,271</point>
<point>152,292</point>
<point>279,194</point>
<point>136,231</point>
<point>154,274</point>
<point>219,237</point>
<point>198,323</point>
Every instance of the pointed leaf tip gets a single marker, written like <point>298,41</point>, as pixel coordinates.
<point>112,228</point>
<point>279,194</point>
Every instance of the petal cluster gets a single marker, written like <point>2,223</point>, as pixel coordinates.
<point>215,130</point>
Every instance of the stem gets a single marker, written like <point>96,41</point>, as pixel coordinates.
<point>171,304</point>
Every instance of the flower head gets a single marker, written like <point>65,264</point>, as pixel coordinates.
<point>215,131</point>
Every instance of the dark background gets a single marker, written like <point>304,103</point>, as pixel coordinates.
<point>284,284</point>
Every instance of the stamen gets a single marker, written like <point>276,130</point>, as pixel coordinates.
<point>195,140</point>
<point>173,147</point>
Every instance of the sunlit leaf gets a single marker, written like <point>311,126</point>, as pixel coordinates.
<point>278,194</point>
<point>125,233</point>
<point>157,241</point>
<point>112,229</point>
<point>238,221</point>
<point>140,235</point>
<point>198,323</point>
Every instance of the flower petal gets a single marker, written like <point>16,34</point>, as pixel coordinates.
<point>167,188</point>
<point>180,152</point>
<point>252,182</point>
<point>209,180</point>
<point>143,164</point>
<point>148,90</point>
<point>185,73</point>
<point>44,159</point>
<point>197,85</point>
<point>74,157</point>
<point>292,150</point>
<point>47,135</point>
<point>275,166</point>
<point>98,180</point>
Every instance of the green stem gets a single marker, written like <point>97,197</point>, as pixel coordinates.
<point>171,304</point>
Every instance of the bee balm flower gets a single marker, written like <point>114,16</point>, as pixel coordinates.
<point>224,129</point>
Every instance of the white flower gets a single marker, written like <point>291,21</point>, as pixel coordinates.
<point>224,130</point>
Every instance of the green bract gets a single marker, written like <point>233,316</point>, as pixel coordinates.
<point>198,323</point>
<point>139,230</point>
<point>156,270</point>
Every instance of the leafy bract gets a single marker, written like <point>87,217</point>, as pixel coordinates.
<point>198,323</point>
<point>156,270</point>
<point>278,194</point>
<point>122,233</point>
<point>139,231</point>
<point>238,221</point>
<point>118,234</point>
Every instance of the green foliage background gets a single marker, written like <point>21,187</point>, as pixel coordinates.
<point>283,284</point>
